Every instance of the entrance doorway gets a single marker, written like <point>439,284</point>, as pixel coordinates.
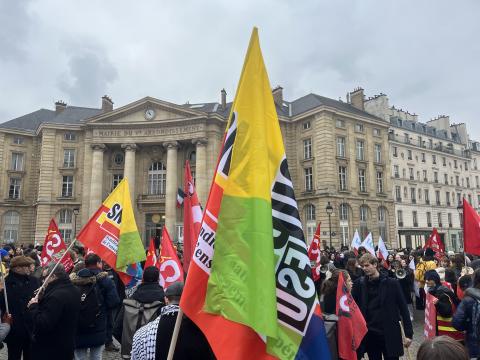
<point>153,226</point>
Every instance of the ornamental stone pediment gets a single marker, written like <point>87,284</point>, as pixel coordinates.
<point>146,111</point>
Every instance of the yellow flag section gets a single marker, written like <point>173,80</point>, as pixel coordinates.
<point>112,232</point>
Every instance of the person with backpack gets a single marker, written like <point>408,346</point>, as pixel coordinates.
<point>467,316</point>
<point>97,296</point>
<point>54,314</point>
<point>422,267</point>
<point>144,306</point>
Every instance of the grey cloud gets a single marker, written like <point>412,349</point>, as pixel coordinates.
<point>16,24</point>
<point>89,73</point>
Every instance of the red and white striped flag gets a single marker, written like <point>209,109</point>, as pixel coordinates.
<point>192,217</point>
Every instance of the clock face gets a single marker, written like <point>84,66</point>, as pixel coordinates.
<point>149,114</point>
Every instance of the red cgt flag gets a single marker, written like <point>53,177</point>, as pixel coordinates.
<point>192,217</point>
<point>471,229</point>
<point>170,266</point>
<point>314,254</point>
<point>351,326</point>
<point>54,248</point>
<point>435,243</point>
<point>152,259</point>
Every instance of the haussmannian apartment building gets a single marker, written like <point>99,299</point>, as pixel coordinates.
<point>62,163</point>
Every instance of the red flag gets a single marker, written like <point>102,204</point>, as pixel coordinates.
<point>351,326</point>
<point>471,229</point>
<point>152,259</point>
<point>429,329</point>
<point>314,254</point>
<point>54,248</point>
<point>435,243</point>
<point>192,217</point>
<point>170,266</point>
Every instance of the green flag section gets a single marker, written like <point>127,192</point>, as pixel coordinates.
<point>112,232</point>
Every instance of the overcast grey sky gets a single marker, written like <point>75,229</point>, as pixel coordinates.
<point>425,55</point>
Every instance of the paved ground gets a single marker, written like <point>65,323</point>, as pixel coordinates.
<point>417,340</point>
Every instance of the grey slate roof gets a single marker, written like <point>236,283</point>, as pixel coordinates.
<point>31,122</point>
<point>421,128</point>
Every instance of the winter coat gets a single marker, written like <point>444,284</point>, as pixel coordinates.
<point>54,320</point>
<point>421,269</point>
<point>108,299</point>
<point>407,285</point>
<point>393,306</point>
<point>467,318</point>
<point>146,293</point>
<point>20,289</point>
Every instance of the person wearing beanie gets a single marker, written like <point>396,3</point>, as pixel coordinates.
<point>152,341</point>
<point>149,294</point>
<point>426,264</point>
<point>446,302</point>
<point>20,287</point>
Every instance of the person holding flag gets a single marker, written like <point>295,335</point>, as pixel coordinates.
<point>250,267</point>
<point>382,304</point>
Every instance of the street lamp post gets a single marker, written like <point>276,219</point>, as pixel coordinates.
<point>329,210</point>
<point>76,211</point>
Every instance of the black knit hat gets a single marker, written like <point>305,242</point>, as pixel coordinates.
<point>429,252</point>
<point>151,274</point>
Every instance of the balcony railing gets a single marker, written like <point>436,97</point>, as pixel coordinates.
<point>446,149</point>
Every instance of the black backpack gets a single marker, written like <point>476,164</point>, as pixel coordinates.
<point>89,306</point>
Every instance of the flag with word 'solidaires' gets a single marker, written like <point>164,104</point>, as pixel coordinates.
<point>249,287</point>
<point>112,232</point>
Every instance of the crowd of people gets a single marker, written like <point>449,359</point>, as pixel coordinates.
<point>387,292</point>
<point>49,313</point>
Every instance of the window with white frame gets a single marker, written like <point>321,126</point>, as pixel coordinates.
<point>360,150</point>
<point>382,223</point>
<point>14,189</point>
<point>17,162</point>
<point>11,226</point>
<point>344,226</point>
<point>18,140</point>
<point>342,177</point>
<point>65,224</point>
<point>363,220</point>
<point>310,222</point>
<point>396,171</point>
<point>340,146</point>
<point>69,158</point>
<point>179,233</point>
<point>69,136</point>
<point>157,178</point>
<point>308,179</point>
<point>358,127</point>
<point>362,183</point>
<point>116,178</point>
<point>306,125</point>
<point>380,182</point>
<point>378,153</point>
<point>307,148</point>
<point>67,186</point>
<point>398,193</point>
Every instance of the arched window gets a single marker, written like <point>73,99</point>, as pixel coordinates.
<point>344,225</point>
<point>310,222</point>
<point>65,224</point>
<point>382,223</point>
<point>364,220</point>
<point>11,225</point>
<point>157,178</point>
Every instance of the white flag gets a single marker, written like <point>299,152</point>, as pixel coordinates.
<point>382,249</point>
<point>356,242</point>
<point>411,265</point>
<point>368,244</point>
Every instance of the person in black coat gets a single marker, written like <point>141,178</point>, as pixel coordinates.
<point>54,314</point>
<point>382,303</point>
<point>20,289</point>
<point>94,338</point>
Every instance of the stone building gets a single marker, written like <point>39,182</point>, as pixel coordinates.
<point>62,163</point>
<point>431,169</point>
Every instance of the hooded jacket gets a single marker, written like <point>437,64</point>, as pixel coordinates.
<point>108,299</point>
<point>467,318</point>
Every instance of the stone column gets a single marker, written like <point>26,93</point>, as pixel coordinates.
<point>172,186</point>
<point>201,182</point>
<point>96,184</point>
<point>129,170</point>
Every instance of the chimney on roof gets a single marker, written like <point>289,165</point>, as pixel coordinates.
<point>357,98</point>
<point>60,105</point>
<point>223,96</point>
<point>107,104</point>
<point>278,95</point>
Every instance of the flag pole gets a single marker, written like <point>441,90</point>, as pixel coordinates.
<point>176,330</point>
<point>3,284</point>
<point>56,265</point>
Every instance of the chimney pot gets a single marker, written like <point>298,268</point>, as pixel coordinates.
<point>223,96</point>
<point>278,95</point>
<point>357,98</point>
<point>60,105</point>
<point>107,103</point>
